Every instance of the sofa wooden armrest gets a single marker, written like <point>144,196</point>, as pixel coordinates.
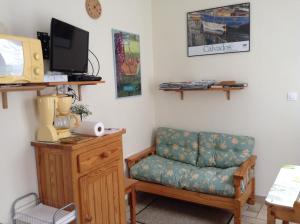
<point>245,167</point>
<point>130,161</point>
<point>242,174</point>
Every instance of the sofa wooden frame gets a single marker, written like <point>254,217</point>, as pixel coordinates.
<point>234,204</point>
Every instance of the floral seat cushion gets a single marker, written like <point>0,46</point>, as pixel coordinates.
<point>223,150</point>
<point>211,180</point>
<point>177,145</point>
<point>157,169</point>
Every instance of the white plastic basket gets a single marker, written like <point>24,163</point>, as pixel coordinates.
<point>28,210</point>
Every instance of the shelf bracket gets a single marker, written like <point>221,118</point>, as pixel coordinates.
<point>79,92</point>
<point>181,95</point>
<point>4,100</point>
<point>227,94</point>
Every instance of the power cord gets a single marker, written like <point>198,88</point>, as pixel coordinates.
<point>91,66</point>
<point>98,63</point>
<point>73,94</point>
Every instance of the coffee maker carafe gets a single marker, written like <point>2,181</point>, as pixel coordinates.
<point>55,117</point>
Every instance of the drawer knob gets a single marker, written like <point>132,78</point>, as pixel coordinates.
<point>105,154</point>
<point>37,71</point>
<point>88,219</point>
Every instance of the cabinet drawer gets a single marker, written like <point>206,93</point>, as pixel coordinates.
<point>98,156</point>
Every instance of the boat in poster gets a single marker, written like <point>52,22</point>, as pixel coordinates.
<point>233,17</point>
<point>214,28</point>
<point>229,21</point>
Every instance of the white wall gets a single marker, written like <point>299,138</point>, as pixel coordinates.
<point>272,69</point>
<point>18,123</point>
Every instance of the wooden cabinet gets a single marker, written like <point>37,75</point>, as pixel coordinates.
<point>89,173</point>
<point>100,195</point>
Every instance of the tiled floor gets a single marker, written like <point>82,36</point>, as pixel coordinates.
<point>252,214</point>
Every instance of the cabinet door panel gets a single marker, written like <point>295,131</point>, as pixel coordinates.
<point>102,196</point>
<point>55,183</point>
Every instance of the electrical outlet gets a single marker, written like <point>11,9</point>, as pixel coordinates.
<point>292,96</point>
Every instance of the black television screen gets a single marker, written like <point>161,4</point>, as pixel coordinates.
<point>69,48</point>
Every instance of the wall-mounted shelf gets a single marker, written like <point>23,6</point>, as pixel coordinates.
<point>227,90</point>
<point>79,84</point>
<point>5,88</point>
<point>82,83</point>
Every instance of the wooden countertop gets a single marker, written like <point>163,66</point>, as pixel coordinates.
<point>75,140</point>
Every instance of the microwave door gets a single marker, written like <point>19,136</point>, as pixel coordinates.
<point>11,58</point>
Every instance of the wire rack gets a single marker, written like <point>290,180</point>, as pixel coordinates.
<point>28,210</point>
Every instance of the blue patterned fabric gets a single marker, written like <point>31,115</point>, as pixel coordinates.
<point>211,180</point>
<point>223,150</point>
<point>176,174</point>
<point>177,145</point>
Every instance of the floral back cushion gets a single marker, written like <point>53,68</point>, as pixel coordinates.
<point>223,150</point>
<point>177,145</point>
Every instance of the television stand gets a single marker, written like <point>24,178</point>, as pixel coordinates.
<point>83,77</point>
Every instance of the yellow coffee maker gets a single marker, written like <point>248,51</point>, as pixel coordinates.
<point>55,117</point>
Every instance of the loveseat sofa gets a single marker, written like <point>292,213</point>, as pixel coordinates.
<point>202,167</point>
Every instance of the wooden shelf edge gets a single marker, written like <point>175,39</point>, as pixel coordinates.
<point>81,83</point>
<point>226,90</point>
<point>17,87</point>
<point>21,88</point>
<point>47,84</point>
<point>5,89</point>
<point>210,89</point>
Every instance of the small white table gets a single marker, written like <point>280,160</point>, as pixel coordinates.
<point>283,199</point>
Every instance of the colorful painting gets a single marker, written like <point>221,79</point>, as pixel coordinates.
<point>219,30</point>
<point>127,63</point>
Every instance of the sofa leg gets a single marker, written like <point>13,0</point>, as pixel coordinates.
<point>237,220</point>
<point>238,215</point>
<point>252,198</point>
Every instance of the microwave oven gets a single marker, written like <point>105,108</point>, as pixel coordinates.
<point>21,60</point>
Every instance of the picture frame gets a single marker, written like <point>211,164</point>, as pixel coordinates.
<point>219,30</point>
<point>127,63</point>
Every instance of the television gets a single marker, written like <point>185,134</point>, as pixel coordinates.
<point>21,59</point>
<point>69,48</point>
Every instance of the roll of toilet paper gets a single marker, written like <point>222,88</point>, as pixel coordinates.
<point>93,128</point>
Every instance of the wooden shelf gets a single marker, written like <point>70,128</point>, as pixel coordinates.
<point>81,83</point>
<point>5,88</point>
<point>227,90</point>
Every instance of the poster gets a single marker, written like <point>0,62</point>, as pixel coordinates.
<point>219,30</point>
<point>127,63</point>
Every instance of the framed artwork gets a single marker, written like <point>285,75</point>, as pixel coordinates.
<point>219,30</point>
<point>127,63</point>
